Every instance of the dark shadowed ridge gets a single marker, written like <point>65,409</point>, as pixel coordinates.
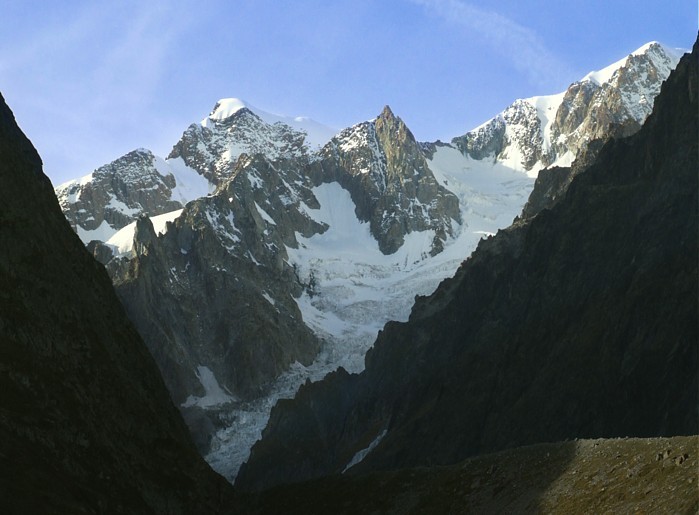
<point>86,424</point>
<point>579,323</point>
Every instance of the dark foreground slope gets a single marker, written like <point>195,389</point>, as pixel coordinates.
<point>86,424</point>
<point>630,475</point>
<point>581,323</point>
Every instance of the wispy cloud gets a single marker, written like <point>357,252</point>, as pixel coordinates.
<point>521,45</point>
<point>129,41</point>
<point>50,39</point>
<point>133,64</point>
<point>95,72</point>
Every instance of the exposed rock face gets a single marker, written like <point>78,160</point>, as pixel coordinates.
<point>550,187</point>
<point>484,142</point>
<point>86,424</point>
<point>537,132</point>
<point>383,167</point>
<point>589,108</point>
<point>581,322</point>
<point>518,127</point>
<point>100,251</point>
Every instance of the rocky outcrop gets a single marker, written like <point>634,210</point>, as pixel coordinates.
<point>581,322</point>
<point>383,167</point>
<point>517,130</point>
<point>101,252</point>
<point>486,141</point>
<point>86,423</point>
<point>591,107</point>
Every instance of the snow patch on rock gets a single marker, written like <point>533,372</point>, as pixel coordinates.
<point>122,241</point>
<point>214,396</point>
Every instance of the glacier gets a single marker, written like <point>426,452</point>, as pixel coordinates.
<point>358,289</point>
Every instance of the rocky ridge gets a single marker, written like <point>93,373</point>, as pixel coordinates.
<point>140,183</point>
<point>213,146</point>
<point>217,291</point>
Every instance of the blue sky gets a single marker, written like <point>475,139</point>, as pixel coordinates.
<point>89,81</point>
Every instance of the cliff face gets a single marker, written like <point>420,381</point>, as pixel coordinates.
<point>581,322</point>
<point>86,424</point>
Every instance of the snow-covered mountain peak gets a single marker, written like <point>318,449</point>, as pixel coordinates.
<point>384,168</point>
<point>213,147</point>
<point>225,108</point>
<point>390,126</point>
<point>364,134</point>
<point>114,195</point>
<point>337,240</point>
<point>653,52</point>
<point>316,134</point>
<point>235,127</point>
<point>548,130</point>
